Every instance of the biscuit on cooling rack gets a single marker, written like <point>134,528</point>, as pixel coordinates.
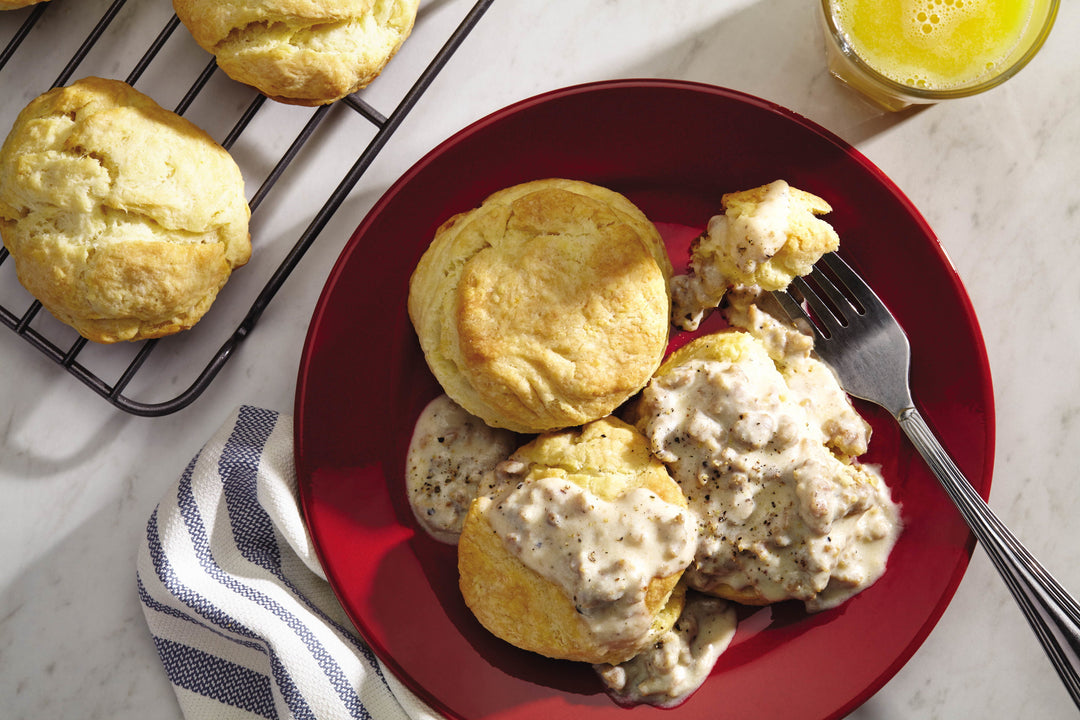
<point>545,307</point>
<point>300,52</point>
<point>123,219</point>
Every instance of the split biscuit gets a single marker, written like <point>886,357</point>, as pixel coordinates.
<point>609,459</point>
<point>300,52</point>
<point>545,307</point>
<point>123,219</point>
<point>736,347</point>
<point>782,517</point>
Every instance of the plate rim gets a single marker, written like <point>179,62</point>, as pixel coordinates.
<point>479,125</point>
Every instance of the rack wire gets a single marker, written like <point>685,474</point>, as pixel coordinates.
<point>70,355</point>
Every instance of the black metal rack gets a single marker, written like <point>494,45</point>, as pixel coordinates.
<point>69,355</point>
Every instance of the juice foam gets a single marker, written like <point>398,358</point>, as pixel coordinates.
<point>934,44</point>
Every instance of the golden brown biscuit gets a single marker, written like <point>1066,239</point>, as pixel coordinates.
<point>546,307</point>
<point>123,219</point>
<point>532,609</point>
<point>301,52</point>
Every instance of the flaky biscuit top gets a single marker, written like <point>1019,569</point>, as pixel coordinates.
<point>543,308</point>
<point>304,52</point>
<point>123,218</point>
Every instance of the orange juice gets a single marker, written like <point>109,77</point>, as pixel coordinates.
<point>935,44</point>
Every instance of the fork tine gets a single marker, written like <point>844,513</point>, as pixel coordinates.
<point>855,286</point>
<point>823,316</point>
<point>795,310</point>
<point>840,303</point>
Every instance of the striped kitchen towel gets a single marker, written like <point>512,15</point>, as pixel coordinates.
<point>240,611</point>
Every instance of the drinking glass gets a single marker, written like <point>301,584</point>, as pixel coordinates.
<point>845,63</point>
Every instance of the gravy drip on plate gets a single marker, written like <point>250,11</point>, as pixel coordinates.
<point>602,553</point>
<point>452,456</point>
<point>671,669</point>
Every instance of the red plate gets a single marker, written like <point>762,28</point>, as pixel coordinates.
<point>673,148</point>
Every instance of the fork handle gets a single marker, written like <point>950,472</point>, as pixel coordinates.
<point>1053,614</point>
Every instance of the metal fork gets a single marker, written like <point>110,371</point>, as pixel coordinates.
<point>857,335</point>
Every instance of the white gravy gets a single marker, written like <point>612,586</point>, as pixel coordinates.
<point>602,553</point>
<point>780,514</point>
<point>452,456</point>
<point>748,241</point>
<point>669,671</point>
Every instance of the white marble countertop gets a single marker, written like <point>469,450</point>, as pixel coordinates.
<point>997,177</point>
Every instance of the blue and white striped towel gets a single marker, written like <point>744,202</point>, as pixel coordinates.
<point>238,606</point>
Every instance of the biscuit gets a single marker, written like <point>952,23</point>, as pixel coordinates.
<point>545,307</point>
<point>300,52</point>
<point>765,237</point>
<point>802,237</point>
<point>610,460</point>
<point>781,515</point>
<point>123,219</point>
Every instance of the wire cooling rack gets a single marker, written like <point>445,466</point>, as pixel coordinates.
<point>129,375</point>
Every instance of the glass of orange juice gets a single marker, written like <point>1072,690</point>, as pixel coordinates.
<point>905,52</point>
